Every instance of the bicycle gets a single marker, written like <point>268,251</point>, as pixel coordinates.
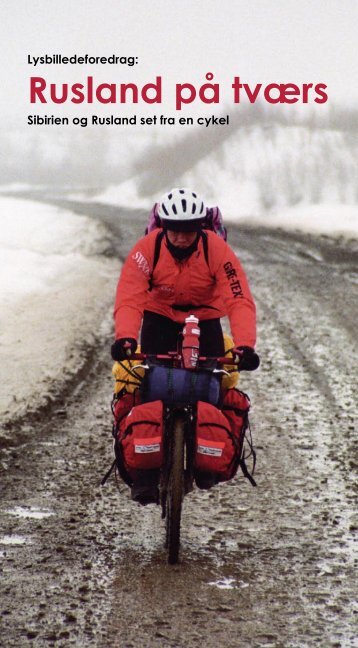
<point>177,473</point>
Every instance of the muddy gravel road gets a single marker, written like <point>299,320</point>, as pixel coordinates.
<point>82,565</point>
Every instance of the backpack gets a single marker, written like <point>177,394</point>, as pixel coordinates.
<point>213,221</point>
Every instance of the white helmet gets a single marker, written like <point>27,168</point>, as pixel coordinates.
<point>182,210</point>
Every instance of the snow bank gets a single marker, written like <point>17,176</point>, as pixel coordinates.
<point>38,243</point>
<point>125,194</point>
<point>55,289</point>
<point>333,220</point>
<point>293,177</point>
<point>268,169</point>
<point>240,204</point>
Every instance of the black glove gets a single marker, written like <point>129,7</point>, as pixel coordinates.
<point>123,348</point>
<point>247,357</point>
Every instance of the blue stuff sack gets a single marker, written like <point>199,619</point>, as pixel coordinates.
<point>180,386</point>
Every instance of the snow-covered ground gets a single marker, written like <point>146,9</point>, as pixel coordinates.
<point>56,289</point>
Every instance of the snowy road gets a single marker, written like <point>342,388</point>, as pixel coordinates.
<point>265,567</point>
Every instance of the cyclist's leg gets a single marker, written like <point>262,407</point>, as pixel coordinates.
<point>159,334</point>
<point>211,338</point>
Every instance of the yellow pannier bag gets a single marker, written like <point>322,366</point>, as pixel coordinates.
<point>126,375</point>
<point>230,381</point>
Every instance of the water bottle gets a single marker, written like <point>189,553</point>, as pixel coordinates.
<point>190,344</point>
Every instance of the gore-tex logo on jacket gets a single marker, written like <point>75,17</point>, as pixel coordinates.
<point>142,263</point>
<point>233,280</point>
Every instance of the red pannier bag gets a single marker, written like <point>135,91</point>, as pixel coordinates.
<point>122,405</point>
<point>235,407</point>
<point>215,450</point>
<point>140,437</point>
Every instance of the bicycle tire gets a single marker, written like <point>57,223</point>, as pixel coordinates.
<point>175,491</point>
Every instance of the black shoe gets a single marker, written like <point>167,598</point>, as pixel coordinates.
<point>145,486</point>
<point>205,480</point>
<point>145,494</point>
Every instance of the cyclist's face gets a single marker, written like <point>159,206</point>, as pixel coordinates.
<point>181,239</point>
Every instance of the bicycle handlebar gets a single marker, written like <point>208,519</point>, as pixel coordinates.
<point>176,357</point>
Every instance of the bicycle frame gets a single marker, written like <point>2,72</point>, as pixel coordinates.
<point>178,470</point>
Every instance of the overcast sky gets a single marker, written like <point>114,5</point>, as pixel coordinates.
<point>260,40</point>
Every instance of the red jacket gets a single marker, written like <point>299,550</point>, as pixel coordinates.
<point>212,289</point>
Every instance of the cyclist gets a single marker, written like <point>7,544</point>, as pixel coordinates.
<point>174,271</point>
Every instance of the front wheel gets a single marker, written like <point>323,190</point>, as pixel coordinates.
<point>175,491</point>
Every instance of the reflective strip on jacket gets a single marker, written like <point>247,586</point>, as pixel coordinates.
<point>214,289</point>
